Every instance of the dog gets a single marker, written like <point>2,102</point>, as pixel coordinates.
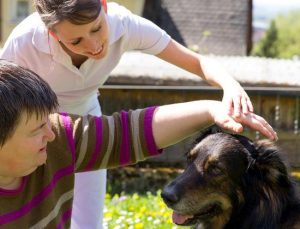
<point>232,182</point>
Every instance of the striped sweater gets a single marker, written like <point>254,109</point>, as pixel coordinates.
<point>44,199</point>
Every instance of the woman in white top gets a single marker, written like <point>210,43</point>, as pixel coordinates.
<point>74,45</point>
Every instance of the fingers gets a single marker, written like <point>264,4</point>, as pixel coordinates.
<point>237,106</point>
<point>237,102</point>
<point>267,129</point>
<point>245,108</point>
<point>228,105</point>
<point>226,121</point>
<point>246,104</point>
<point>249,105</point>
<point>232,125</point>
<point>260,124</point>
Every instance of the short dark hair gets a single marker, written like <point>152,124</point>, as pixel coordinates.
<point>21,91</point>
<point>77,12</point>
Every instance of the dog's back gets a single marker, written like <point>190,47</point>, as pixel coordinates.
<point>231,182</point>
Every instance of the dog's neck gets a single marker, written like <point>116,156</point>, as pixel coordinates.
<point>267,211</point>
<point>217,223</point>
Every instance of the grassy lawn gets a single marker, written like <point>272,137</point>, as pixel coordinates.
<point>137,211</point>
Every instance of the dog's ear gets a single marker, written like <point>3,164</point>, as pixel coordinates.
<point>269,156</point>
<point>269,163</point>
<point>248,144</point>
<point>264,157</point>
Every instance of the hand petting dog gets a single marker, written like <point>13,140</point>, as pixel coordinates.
<point>235,123</point>
<point>192,116</point>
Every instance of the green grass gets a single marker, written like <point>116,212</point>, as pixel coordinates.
<point>136,212</point>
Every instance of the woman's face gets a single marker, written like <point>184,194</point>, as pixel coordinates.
<point>27,148</point>
<point>90,40</point>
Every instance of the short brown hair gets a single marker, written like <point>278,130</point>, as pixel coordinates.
<point>77,12</point>
<point>21,91</point>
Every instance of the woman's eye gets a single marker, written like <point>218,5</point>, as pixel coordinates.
<point>76,42</point>
<point>96,30</point>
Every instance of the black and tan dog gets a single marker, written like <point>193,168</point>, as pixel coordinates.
<point>231,182</point>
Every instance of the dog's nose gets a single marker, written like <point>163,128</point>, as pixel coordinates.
<point>169,196</point>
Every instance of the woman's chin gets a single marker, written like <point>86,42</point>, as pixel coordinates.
<point>42,158</point>
<point>97,57</point>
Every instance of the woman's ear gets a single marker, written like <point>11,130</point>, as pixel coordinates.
<point>104,4</point>
<point>53,34</point>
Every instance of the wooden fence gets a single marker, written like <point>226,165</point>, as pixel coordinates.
<point>280,106</point>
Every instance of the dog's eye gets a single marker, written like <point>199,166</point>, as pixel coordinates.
<point>214,170</point>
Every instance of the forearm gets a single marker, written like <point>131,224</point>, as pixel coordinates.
<point>204,67</point>
<point>214,73</point>
<point>127,137</point>
<point>172,123</point>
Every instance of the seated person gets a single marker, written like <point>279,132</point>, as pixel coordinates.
<point>40,151</point>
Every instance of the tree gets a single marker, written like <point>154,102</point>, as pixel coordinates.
<point>267,47</point>
<point>282,39</point>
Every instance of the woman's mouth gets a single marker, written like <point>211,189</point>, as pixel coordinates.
<point>97,52</point>
<point>42,150</point>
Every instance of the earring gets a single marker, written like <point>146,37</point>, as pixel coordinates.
<point>53,35</point>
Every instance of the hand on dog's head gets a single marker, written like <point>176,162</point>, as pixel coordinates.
<point>231,182</point>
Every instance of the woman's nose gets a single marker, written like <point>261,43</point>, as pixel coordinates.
<point>49,133</point>
<point>91,44</point>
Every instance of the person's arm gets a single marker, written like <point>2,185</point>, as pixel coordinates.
<point>172,123</point>
<point>235,97</point>
<point>127,137</point>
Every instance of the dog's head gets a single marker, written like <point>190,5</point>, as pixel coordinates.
<point>220,168</point>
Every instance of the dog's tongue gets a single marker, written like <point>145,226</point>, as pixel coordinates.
<point>180,219</point>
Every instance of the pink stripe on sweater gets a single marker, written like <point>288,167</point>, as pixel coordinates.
<point>124,150</point>
<point>66,216</point>
<point>149,132</point>
<point>69,132</point>
<point>96,153</point>
<point>6,192</point>
<point>4,219</point>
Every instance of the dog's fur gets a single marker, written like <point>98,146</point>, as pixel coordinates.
<point>231,182</point>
